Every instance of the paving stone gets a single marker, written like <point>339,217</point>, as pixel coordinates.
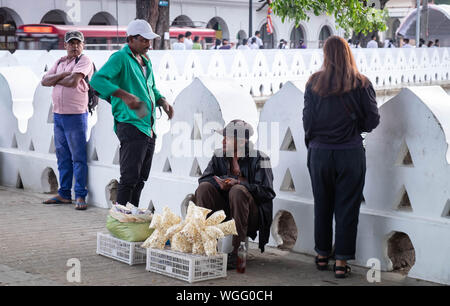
<point>40,239</point>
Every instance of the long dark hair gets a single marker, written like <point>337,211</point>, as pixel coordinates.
<point>339,73</point>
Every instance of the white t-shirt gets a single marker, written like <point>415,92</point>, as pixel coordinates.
<point>372,44</point>
<point>243,47</point>
<point>254,46</point>
<point>259,41</point>
<point>179,46</point>
<point>407,46</point>
<point>188,43</point>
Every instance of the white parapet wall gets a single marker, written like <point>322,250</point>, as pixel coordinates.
<point>407,181</point>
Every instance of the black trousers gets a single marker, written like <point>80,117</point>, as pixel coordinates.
<point>136,154</point>
<point>337,178</point>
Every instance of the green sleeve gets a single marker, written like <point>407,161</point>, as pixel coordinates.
<point>102,79</point>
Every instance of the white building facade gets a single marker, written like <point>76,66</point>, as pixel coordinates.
<point>230,17</point>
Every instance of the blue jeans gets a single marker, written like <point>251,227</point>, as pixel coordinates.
<point>71,154</point>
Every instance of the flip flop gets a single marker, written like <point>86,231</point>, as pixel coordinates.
<point>56,200</point>
<point>80,205</point>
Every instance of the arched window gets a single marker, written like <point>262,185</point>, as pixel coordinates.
<point>324,34</point>
<point>241,35</point>
<point>220,26</point>
<point>269,40</point>
<point>56,17</point>
<point>297,34</point>
<point>182,21</point>
<point>103,18</point>
<point>9,21</point>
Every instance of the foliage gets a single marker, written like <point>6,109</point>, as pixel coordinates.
<point>350,15</point>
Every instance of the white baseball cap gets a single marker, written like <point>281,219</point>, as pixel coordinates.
<point>141,27</point>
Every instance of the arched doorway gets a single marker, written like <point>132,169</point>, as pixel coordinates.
<point>182,21</point>
<point>9,21</point>
<point>297,34</point>
<point>220,26</point>
<point>56,17</point>
<point>325,32</point>
<point>269,40</point>
<point>103,18</point>
<point>100,43</point>
<point>395,26</point>
<point>241,35</point>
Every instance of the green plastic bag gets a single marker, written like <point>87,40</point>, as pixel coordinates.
<point>128,231</point>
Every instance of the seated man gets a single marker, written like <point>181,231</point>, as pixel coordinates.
<point>238,180</point>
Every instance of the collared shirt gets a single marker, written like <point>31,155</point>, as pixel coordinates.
<point>123,71</point>
<point>71,100</point>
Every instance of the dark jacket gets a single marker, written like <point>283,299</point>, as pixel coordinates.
<point>339,120</point>
<point>258,172</point>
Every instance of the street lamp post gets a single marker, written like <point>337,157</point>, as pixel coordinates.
<point>250,18</point>
<point>418,24</point>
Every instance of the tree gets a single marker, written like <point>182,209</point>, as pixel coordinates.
<point>157,16</point>
<point>350,15</point>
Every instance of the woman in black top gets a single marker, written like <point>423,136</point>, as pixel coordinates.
<point>340,104</point>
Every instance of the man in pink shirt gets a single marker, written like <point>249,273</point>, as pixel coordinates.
<point>70,106</point>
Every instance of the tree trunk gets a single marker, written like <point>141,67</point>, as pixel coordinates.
<point>157,16</point>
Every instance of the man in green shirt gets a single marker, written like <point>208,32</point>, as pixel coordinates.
<point>127,79</point>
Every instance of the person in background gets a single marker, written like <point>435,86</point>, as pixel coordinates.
<point>350,43</point>
<point>70,114</point>
<point>373,42</point>
<point>127,79</point>
<point>339,104</point>
<point>217,44</point>
<point>233,45</point>
<point>282,44</point>
<point>259,41</point>
<point>422,43</point>
<point>430,44</point>
<point>225,45</point>
<point>436,43</point>
<point>196,45</point>
<point>188,40</point>
<point>244,45</point>
<point>406,43</point>
<point>301,44</point>
<point>254,44</point>
<point>357,44</point>
<point>180,44</point>
<point>389,43</point>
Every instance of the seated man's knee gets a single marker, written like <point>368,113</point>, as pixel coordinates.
<point>238,192</point>
<point>204,187</point>
<point>203,194</point>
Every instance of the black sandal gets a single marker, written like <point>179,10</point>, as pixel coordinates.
<point>322,260</point>
<point>347,270</point>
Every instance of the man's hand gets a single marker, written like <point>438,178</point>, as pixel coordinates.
<point>168,109</point>
<point>226,184</point>
<point>132,101</point>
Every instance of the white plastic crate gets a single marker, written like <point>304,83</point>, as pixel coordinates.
<point>187,267</point>
<point>121,250</point>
